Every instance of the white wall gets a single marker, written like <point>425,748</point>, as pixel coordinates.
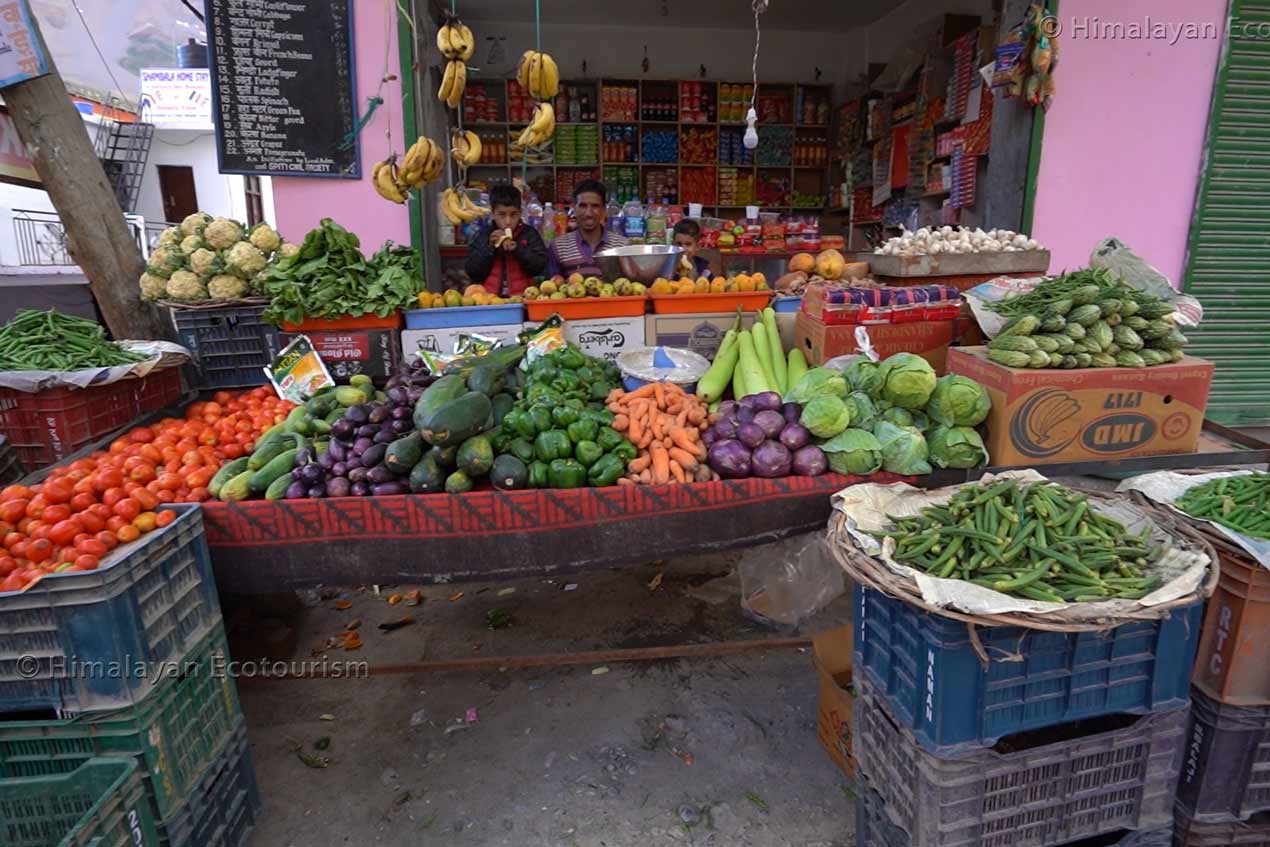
<point>218,194</point>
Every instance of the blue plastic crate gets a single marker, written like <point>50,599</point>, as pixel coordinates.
<point>460,316</point>
<point>231,346</point>
<point>73,642</point>
<point>223,806</point>
<point>786,303</point>
<point>926,668</point>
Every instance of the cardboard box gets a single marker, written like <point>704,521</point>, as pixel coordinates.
<point>605,337</point>
<point>832,655</point>
<point>374,352</point>
<point>928,339</point>
<point>442,340</point>
<point>702,333</point>
<point>1044,415</point>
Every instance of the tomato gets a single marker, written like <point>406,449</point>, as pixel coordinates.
<point>39,550</point>
<point>113,496</point>
<point>93,547</point>
<point>12,538</point>
<point>196,495</point>
<point>115,522</point>
<point>19,550</point>
<point>146,521</point>
<point>102,511</point>
<point>12,511</point>
<point>107,479</point>
<point>56,512</point>
<point>8,565</point>
<point>63,532</point>
<point>86,562</point>
<point>35,506</point>
<point>192,457</point>
<point>91,521</point>
<point>142,473</point>
<point>142,434</point>
<point>107,538</point>
<point>13,582</point>
<point>57,492</point>
<point>127,533</point>
<point>169,480</point>
<point>15,492</point>
<point>165,496</point>
<point>148,499</point>
<point>81,502</point>
<point>165,517</point>
<point>85,486</point>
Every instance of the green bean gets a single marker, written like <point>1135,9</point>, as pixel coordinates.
<point>1237,503</point>
<point>52,341</point>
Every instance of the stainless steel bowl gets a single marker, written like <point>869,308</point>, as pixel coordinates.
<point>639,262</point>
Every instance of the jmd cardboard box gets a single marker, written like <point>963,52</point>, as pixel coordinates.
<point>1086,414</point>
<point>821,342</point>
<point>346,353</point>
<point>832,654</point>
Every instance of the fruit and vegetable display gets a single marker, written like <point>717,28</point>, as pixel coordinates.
<point>472,295</point>
<point>538,73</point>
<point>764,437</point>
<point>206,258</point>
<point>423,162</point>
<point>328,277</point>
<point>1086,319</point>
<point>577,286</point>
<point>703,285</point>
<point>457,45</point>
<point>828,265</point>
<point>929,241</point>
<point>35,340</point>
<point>1039,540</point>
<point>665,424</point>
<point>1239,503</point>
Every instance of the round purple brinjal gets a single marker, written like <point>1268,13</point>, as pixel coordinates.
<point>744,414</point>
<point>384,489</point>
<point>295,472</point>
<point>770,421</point>
<point>343,429</point>
<point>710,436</point>
<point>367,430</point>
<point>792,412</point>
<point>398,379</point>
<point>304,455</point>
<point>338,487</point>
<point>374,455</point>
<point>730,459</point>
<point>402,413</point>
<point>795,436</point>
<point>380,473</point>
<point>414,394</point>
<point>312,474</point>
<point>296,491</point>
<point>324,462</point>
<point>765,401</point>
<point>338,449</point>
<point>358,474</point>
<point>810,461</point>
<point>385,436</point>
<point>316,492</point>
<point>727,408</point>
<point>403,426</point>
<point>379,413</point>
<point>357,414</point>
<point>396,395</point>
<point>750,434</point>
<point>360,489</point>
<point>339,469</point>
<point>771,459</point>
<point>361,445</point>
<point>726,428</point>
<point>353,462</point>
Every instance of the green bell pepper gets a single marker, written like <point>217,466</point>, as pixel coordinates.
<point>538,475</point>
<point>607,470</point>
<point>541,416</point>
<point>608,438</point>
<point>566,473</point>
<point>575,403</point>
<point>571,357</point>
<point>563,415</point>
<point>597,413</point>
<point>585,373</point>
<point>566,381</point>
<point>522,449</point>
<point>581,430</point>
<point>543,372</point>
<point>552,444</point>
<point>499,439</point>
<point>600,389</point>
<point>587,452</point>
<point>511,420</point>
<point>625,451</point>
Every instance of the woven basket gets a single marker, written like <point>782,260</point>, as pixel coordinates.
<point>874,574</point>
<point>202,305</point>
<point>1222,543</point>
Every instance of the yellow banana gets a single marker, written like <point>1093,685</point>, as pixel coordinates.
<point>550,78</point>
<point>466,44</point>
<point>460,82</point>
<point>467,148</point>
<point>447,83</point>
<point>384,176</point>
<point>469,209</point>
<point>522,72</point>
<point>448,207</point>
<point>412,163</point>
<point>435,162</point>
<point>444,41</point>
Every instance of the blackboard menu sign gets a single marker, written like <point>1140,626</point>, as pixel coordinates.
<point>283,87</point>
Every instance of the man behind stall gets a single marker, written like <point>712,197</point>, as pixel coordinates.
<point>507,255</point>
<point>575,252</point>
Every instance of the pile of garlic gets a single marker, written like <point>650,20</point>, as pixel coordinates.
<point>947,239</point>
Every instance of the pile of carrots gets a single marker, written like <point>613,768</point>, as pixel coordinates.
<point>665,423</point>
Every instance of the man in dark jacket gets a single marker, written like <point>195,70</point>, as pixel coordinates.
<point>506,255</point>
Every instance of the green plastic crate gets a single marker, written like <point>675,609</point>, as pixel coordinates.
<point>176,732</point>
<point>102,803</point>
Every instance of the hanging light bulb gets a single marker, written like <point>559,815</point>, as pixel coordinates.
<point>751,117</point>
<point>751,134</point>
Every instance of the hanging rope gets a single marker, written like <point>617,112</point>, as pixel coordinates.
<point>759,7</point>
<point>377,99</point>
<point>524,151</point>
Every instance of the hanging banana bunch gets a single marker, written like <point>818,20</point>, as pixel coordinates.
<point>466,148</point>
<point>455,42</point>
<point>541,128</point>
<point>422,164</point>
<point>539,74</point>
<point>458,208</point>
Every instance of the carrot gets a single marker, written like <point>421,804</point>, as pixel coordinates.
<point>696,415</point>
<point>646,476</point>
<point>638,464</point>
<point>646,440</point>
<point>621,422</point>
<point>625,481</point>
<point>702,474</point>
<point>615,406</point>
<point>656,426</point>
<point>683,439</point>
<point>685,459</point>
<point>659,392</point>
<point>614,395</point>
<point>661,463</point>
<point>645,390</point>
<point>681,419</point>
<point>635,427</point>
<point>677,472</point>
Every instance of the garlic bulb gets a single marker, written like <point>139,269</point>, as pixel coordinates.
<point>948,239</point>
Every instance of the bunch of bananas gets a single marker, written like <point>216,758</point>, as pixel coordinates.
<point>539,74</point>
<point>459,209</point>
<point>541,128</point>
<point>467,148</point>
<point>452,84</point>
<point>422,164</point>
<point>455,41</point>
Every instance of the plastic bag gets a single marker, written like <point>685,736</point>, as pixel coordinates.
<point>785,583</point>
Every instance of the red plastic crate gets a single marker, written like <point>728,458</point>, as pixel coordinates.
<point>47,426</point>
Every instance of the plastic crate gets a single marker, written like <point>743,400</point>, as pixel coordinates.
<point>1230,665</point>
<point>873,828</point>
<point>11,469</point>
<point>1254,832</point>
<point>786,303</point>
<point>49,425</point>
<point>1045,787</point>
<point>223,806</point>
<point>230,346</point>
<point>461,316</point>
<point>1226,776</point>
<point>927,669</point>
<point>175,733</point>
<point>99,804</point>
<point>150,601</point>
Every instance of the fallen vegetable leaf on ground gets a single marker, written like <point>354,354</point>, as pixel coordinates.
<point>343,604</point>
<point>454,597</point>
<point>654,583</point>
<point>394,599</point>
<point>758,801</point>
<point>389,626</point>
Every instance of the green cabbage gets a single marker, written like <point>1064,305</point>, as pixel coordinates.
<point>898,416</point>
<point>816,382</point>
<point>864,412</point>
<point>956,447</point>
<point>853,451</point>
<point>864,375</point>
<point>825,416</point>
<point>904,449</point>
<point>907,380</point>
<point>958,401</point>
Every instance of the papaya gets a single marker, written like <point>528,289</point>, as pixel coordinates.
<point>502,404</point>
<point>446,457</point>
<point>804,262</point>
<point>404,453</point>
<point>435,396</point>
<point>427,476</point>
<point>487,379</point>
<point>458,420</point>
<point>458,483</point>
<point>475,456</point>
<point>509,473</point>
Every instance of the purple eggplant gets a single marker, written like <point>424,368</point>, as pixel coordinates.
<point>730,459</point>
<point>296,491</point>
<point>395,381</point>
<point>316,491</point>
<point>795,436</point>
<point>792,412</point>
<point>402,427</point>
<point>402,413</point>
<point>361,445</point>
<point>385,436</point>
<point>338,487</point>
<point>726,428</point>
<point>343,429</point>
<point>357,414</point>
<point>374,455</point>
<point>339,469</point>
<point>744,414</point>
<point>728,408</point>
<point>810,461</point>
<point>770,421</point>
<point>312,474</point>
<point>767,400</point>
<point>771,459</point>
<point>396,396</point>
<point>385,488</point>
<point>378,414</point>
<point>338,449</point>
<point>353,462</point>
<point>295,472</point>
<point>414,394</point>
<point>750,434</point>
<point>367,430</point>
<point>324,462</point>
<point>380,473</point>
<point>710,436</point>
<point>360,489</point>
<point>304,455</point>
<point>358,474</point>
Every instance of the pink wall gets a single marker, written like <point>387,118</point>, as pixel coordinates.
<point>299,203</point>
<point>1124,139</point>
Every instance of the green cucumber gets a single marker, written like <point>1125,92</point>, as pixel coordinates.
<point>279,465</point>
<point>227,471</point>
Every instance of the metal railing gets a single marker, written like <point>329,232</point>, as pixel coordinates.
<point>41,239</point>
<point>153,230</point>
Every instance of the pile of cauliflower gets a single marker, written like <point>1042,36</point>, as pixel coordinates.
<point>206,258</point>
<point>948,239</point>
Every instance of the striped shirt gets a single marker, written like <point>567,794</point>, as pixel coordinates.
<point>570,253</point>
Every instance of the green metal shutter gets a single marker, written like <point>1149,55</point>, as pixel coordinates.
<point>1228,257</point>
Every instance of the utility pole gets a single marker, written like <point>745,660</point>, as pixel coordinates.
<point>97,235</point>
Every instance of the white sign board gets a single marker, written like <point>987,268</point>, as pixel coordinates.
<point>177,98</point>
<point>20,55</point>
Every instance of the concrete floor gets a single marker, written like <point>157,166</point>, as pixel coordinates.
<point>685,751</point>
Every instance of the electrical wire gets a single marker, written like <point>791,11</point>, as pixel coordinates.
<point>759,7</point>
<point>187,4</point>
<point>119,88</point>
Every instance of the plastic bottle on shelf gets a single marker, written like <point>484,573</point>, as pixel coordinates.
<point>613,216</point>
<point>562,221</point>
<point>633,219</point>
<point>548,223</point>
<point>533,212</point>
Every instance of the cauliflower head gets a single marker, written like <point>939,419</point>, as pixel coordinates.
<point>244,259</point>
<point>171,236</point>
<point>165,260</point>
<point>193,224</point>
<point>205,262</point>
<point>287,250</point>
<point>152,287</point>
<point>226,287</point>
<point>222,233</point>
<point>265,238</point>
<point>185,285</point>
<point>191,243</point>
